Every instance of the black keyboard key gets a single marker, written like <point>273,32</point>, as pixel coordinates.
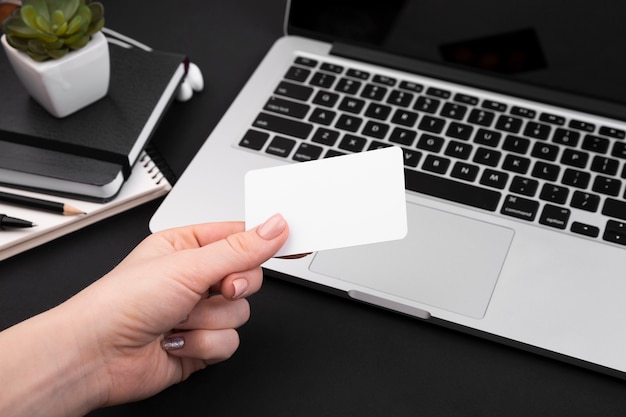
<point>464,171</point>
<point>349,123</point>
<point>509,124</point>
<point>606,166</point>
<point>585,229</point>
<point>374,92</point>
<point>438,92</point>
<point>351,105</point>
<point>523,112</point>
<point>554,193</point>
<point>430,143</point>
<point>404,118</point>
<point>355,73</point>
<point>436,164</point>
<point>298,74</point>
<point>516,144</point>
<point>554,216</point>
<point>453,111</point>
<point>254,139</point>
<point>537,130</point>
<point>384,80</point>
<point>459,131</point>
<point>331,153</point>
<point>481,117</point>
<point>606,185</point>
<point>325,136</point>
<point>322,116</point>
<point>426,104</point>
<point>615,232</point>
<point>585,201</point>
<point>495,179</point>
<point>299,92</point>
<point>487,137</point>
<point>595,144</point>
<point>451,190</point>
<point>494,105</point>
<point>580,125</point>
<point>566,137</point>
<point>378,111</point>
<point>400,98</point>
<point>322,79</point>
<point>411,86</point>
<point>614,208</point>
<point>411,157</point>
<point>307,152</point>
<point>576,178</point>
<point>545,151</point>
<point>352,143</point>
<point>613,132</point>
<point>516,163</point>
<point>280,146</point>
<point>575,158</point>
<point>466,99</point>
<point>546,171</point>
<point>287,107</point>
<point>402,136</point>
<point>520,208</point>
<point>307,62</point>
<point>325,98</point>
<point>619,150</point>
<point>281,125</point>
<point>524,186</point>
<point>375,129</point>
<point>552,118</point>
<point>375,144</point>
<point>458,150</point>
<point>348,86</point>
<point>338,69</point>
<point>432,124</point>
<point>485,156</point>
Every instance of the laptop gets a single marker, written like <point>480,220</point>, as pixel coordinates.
<point>511,118</point>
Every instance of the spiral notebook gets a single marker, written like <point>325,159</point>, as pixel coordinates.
<point>145,183</point>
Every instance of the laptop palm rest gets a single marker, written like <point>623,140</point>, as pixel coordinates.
<point>412,268</point>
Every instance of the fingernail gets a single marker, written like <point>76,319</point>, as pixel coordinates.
<point>240,285</point>
<point>273,227</point>
<point>173,343</point>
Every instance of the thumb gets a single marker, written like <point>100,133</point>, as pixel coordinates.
<point>236,256</point>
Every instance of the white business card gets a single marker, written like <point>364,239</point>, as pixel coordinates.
<point>332,203</point>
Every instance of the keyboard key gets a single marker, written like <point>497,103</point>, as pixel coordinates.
<point>458,150</point>
<point>352,143</point>
<point>451,190</point>
<point>299,92</point>
<point>585,201</point>
<point>378,111</point>
<point>516,163</point>
<point>307,62</point>
<point>576,178</point>
<point>566,137</point>
<point>524,186</point>
<point>554,193</point>
<point>615,232</point>
<point>546,171</point>
<point>552,118</point>
<point>523,112</point>
<point>545,151</point>
<point>516,144</point>
<point>430,143</point>
<point>281,125</point>
<point>322,116</point>
<point>411,86</point>
<point>338,69</point>
<point>297,74</point>
<point>619,150</point>
<point>580,125</point>
<point>481,117</point>
<point>466,99</point>
<point>520,208</point>
<point>375,144</point>
<point>438,92</point>
<point>494,105</point>
<point>575,158</point>
<point>325,98</point>
<point>453,111</point>
<point>613,132</point>
<point>349,123</point>
<point>509,124</point>
<point>606,185</point>
<point>496,179</point>
<point>404,118</point>
<point>400,98</point>
<point>606,166</point>
<point>351,105</point>
<point>585,229</point>
<point>436,164</point>
<point>459,131</point>
<point>432,124</point>
<point>464,171</point>
<point>355,73</point>
<point>554,216</point>
<point>375,129</point>
<point>384,80</point>
<point>537,130</point>
<point>280,146</point>
<point>595,144</point>
<point>374,92</point>
<point>322,79</point>
<point>614,208</point>
<point>489,157</point>
<point>487,137</point>
<point>325,136</point>
<point>426,104</point>
<point>403,136</point>
<point>307,152</point>
<point>411,157</point>
<point>287,107</point>
<point>254,139</point>
<point>348,86</point>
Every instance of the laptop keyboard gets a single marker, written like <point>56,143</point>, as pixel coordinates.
<point>535,166</point>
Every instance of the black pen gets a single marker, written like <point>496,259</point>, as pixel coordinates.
<point>38,203</point>
<point>6,221</point>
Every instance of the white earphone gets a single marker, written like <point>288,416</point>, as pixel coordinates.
<point>193,82</point>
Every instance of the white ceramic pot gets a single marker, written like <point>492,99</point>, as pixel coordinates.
<point>63,86</point>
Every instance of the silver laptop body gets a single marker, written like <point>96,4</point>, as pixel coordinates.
<point>533,269</point>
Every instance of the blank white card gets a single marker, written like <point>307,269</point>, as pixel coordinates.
<point>332,203</point>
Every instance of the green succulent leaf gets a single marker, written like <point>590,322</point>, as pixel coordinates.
<point>69,8</point>
<point>41,8</point>
<point>42,24</point>
<point>58,53</point>
<point>74,25</point>
<point>29,15</point>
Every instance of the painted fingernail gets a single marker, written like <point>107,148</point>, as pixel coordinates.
<point>240,285</point>
<point>173,343</point>
<point>273,227</point>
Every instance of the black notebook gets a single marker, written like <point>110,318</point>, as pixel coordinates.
<point>90,153</point>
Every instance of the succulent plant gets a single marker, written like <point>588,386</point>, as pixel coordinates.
<point>50,29</point>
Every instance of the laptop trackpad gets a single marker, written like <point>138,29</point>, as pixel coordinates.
<point>446,261</point>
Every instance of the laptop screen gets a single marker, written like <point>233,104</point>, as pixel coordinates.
<point>575,46</point>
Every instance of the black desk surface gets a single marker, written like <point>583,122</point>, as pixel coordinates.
<point>303,353</point>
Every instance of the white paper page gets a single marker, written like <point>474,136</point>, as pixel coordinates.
<point>332,203</point>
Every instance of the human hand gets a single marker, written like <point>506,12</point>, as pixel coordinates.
<point>150,322</point>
